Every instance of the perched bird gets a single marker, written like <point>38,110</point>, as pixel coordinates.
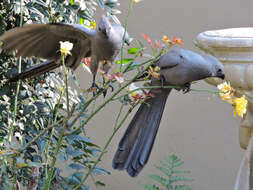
<point>178,67</point>
<point>42,41</point>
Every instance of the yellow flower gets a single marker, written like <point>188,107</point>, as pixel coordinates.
<point>66,47</point>
<point>226,92</point>
<point>93,24</point>
<point>240,105</point>
<point>137,1</point>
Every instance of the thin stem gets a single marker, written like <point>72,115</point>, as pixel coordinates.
<point>102,105</point>
<point>104,149</point>
<point>111,98</point>
<point>16,97</point>
<point>59,142</point>
<point>52,132</point>
<point>66,81</point>
<point>58,146</point>
<point>43,132</point>
<point>145,62</point>
<point>150,61</point>
<point>124,36</point>
<point>58,105</point>
<point>18,83</point>
<point>85,106</point>
<point>118,116</point>
<point>166,87</point>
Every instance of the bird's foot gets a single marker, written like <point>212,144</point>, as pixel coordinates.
<point>95,89</point>
<point>105,91</point>
<point>163,81</point>
<point>186,88</point>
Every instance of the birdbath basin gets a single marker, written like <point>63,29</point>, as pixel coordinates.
<point>234,48</point>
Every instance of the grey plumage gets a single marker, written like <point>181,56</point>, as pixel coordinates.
<point>42,41</point>
<point>178,67</point>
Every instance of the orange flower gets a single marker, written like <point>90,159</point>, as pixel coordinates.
<point>172,40</point>
<point>119,77</point>
<point>86,64</point>
<point>165,39</point>
<point>148,39</point>
<point>154,72</point>
<point>176,40</point>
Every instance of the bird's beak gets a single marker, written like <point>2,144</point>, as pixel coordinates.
<point>128,41</point>
<point>104,31</point>
<point>222,76</point>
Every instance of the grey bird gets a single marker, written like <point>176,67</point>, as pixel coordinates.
<point>42,41</point>
<point>178,67</point>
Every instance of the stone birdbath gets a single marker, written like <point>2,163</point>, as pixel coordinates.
<point>234,48</point>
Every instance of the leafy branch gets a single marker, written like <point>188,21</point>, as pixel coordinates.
<point>172,179</point>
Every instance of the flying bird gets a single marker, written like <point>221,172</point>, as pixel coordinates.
<point>178,67</point>
<point>42,41</point>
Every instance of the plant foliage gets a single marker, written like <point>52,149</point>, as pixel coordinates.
<point>27,153</point>
<point>172,178</point>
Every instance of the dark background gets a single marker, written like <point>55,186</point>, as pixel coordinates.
<point>198,127</point>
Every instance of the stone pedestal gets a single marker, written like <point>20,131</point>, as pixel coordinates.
<point>234,48</point>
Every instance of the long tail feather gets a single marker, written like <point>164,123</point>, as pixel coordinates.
<point>135,146</point>
<point>36,70</point>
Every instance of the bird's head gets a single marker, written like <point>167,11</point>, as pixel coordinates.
<point>104,26</point>
<point>217,67</point>
<point>128,39</point>
<point>108,29</point>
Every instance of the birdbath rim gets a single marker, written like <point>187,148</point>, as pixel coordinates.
<point>226,38</point>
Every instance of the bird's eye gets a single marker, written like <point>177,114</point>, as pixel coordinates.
<point>181,56</point>
<point>219,71</point>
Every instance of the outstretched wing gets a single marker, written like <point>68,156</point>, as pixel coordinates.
<point>42,40</point>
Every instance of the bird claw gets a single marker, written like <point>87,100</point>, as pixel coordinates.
<point>163,81</point>
<point>186,88</point>
<point>105,91</point>
<point>95,89</point>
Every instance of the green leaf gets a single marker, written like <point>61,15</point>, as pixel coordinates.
<point>133,50</point>
<point>76,166</point>
<point>78,175</point>
<point>72,2</point>
<point>150,187</point>
<point>98,170</point>
<point>133,65</point>
<point>81,21</point>
<point>164,170</point>
<point>77,138</point>
<point>76,153</point>
<point>41,144</point>
<point>41,3</point>
<point>101,3</point>
<point>99,183</point>
<point>179,178</point>
<point>158,178</point>
<point>34,164</point>
<point>124,61</point>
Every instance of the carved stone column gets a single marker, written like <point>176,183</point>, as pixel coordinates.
<point>234,48</point>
